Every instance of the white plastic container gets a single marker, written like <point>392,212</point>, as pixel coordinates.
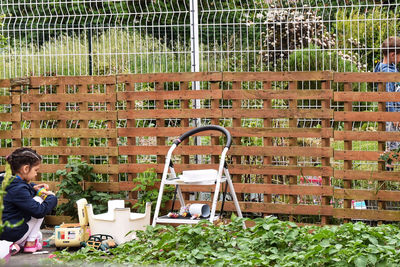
<point>196,176</point>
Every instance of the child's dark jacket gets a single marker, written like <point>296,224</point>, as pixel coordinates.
<point>19,204</point>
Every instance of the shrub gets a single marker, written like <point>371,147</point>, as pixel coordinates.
<point>73,188</point>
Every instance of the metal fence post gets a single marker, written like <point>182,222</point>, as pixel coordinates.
<point>195,58</point>
<point>90,52</point>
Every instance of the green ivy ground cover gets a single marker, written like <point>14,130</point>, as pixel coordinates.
<point>269,243</point>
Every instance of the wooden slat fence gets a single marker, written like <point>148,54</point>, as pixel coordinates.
<point>293,154</point>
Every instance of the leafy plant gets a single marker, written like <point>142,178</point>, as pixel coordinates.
<point>73,188</point>
<point>391,157</point>
<point>285,30</point>
<point>359,30</point>
<point>147,192</point>
<point>6,181</point>
<point>269,242</point>
<point>3,40</point>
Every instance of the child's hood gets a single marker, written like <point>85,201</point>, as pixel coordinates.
<point>381,67</point>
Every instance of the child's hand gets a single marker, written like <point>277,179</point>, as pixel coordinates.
<point>40,186</point>
<point>49,193</point>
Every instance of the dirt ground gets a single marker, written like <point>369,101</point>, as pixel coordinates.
<point>29,259</point>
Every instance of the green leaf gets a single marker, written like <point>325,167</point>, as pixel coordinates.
<point>361,261</point>
<point>338,246</point>
<point>325,243</point>
<point>373,240</point>
<point>372,259</point>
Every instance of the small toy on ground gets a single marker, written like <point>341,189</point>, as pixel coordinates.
<point>100,241</point>
<point>173,215</point>
<point>49,242</point>
<point>71,235</point>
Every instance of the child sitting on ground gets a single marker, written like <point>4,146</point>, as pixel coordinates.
<point>22,203</point>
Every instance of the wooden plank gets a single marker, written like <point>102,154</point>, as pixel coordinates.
<point>277,94</point>
<point>170,113</point>
<point>235,169</point>
<point>11,99</point>
<point>10,134</point>
<point>82,150</point>
<point>64,98</point>
<point>97,168</point>
<point>72,80</point>
<point>348,145</point>
<point>367,175</point>
<point>278,76</point>
<point>383,215</point>
<point>57,220</point>
<point>366,96</point>
<point>282,151</point>
<point>5,83</point>
<point>4,100</point>
<point>69,115</point>
<point>381,146</point>
<point>278,113</point>
<point>19,81</point>
<point>235,132</point>
<point>366,116</point>
<point>239,188</point>
<point>357,155</point>
<point>268,189</point>
<point>235,150</point>
<point>65,133</point>
<point>169,77</point>
<point>165,95</point>
<point>365,77</point>
<point>227,113</point>
<point>10,116</point>
<point>271,208</point>
<point>358,194</point>
<point>366,135</point>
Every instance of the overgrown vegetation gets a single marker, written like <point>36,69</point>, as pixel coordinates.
<point>5,182</point>
<point>3,40</point>
<point>366,33</point>
<point>73,188</point>
<point>62,55</point>
<point>391,157</point>
<point>147,192</point>
<point>269,243</point>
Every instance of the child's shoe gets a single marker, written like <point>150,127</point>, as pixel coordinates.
<point>33,248</point>
<point>39,245</point>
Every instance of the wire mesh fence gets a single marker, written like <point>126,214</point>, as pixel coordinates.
<point>107,37</point>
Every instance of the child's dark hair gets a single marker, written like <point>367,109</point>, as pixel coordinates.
<point>391,44</point>
<point>23,156</point>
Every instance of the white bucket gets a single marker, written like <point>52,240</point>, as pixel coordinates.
<point>199,209</point>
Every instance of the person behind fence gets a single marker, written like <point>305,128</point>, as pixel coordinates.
<point>22,202</point>
<point>391,57</point>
